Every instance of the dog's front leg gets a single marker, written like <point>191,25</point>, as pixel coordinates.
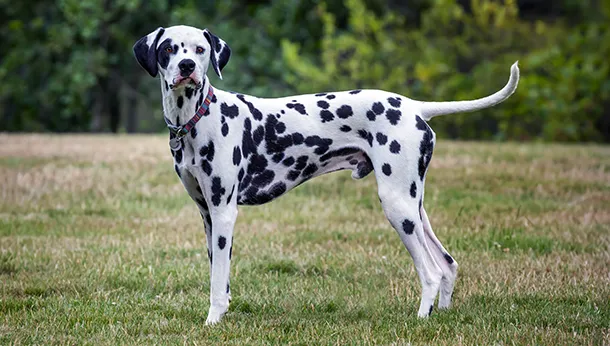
<point>223,219</point>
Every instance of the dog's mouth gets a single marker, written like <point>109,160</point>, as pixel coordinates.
<point>189,81</point>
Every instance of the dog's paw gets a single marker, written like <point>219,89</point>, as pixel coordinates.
<point>214,315</point>
<point>425,312</point>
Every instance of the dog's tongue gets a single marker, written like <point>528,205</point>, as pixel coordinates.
<point>182,80</point>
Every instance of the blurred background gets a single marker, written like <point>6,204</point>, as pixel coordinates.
<point>68,66</point>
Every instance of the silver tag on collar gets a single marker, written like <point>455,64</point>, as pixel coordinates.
<point>175,144</point>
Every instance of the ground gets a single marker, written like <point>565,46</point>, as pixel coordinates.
<point>100,244</point>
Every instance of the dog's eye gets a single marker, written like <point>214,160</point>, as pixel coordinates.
<point>200,50</point>
<point>169,49</point>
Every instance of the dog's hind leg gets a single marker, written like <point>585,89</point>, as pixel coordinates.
<point>447,264</point>
<point>403,214</point>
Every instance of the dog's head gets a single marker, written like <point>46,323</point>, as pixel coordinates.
<point>181,54</point>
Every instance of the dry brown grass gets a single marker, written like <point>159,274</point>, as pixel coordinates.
<point>99,243</point>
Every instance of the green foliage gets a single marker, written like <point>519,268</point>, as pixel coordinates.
<point>68,65</point>
<point>455,55</point>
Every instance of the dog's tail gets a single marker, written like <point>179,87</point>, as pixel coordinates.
<point>432,109</point>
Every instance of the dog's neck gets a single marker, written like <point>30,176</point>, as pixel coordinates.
<point>179,105</point>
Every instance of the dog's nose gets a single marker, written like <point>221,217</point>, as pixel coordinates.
<point>187,66</point>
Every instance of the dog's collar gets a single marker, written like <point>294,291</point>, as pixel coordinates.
<point>181,131</point>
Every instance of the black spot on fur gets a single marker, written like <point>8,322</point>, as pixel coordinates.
<point>289,161</point>
<point>225,129</point>
<point>345,128</point>
<point>393,116</point>
<point>229,111</point>
<point>430,311</point>
<point>277,157</point>
<point>408,226</point>
<point>299,107</point>
<point>301,162</point>
<point>448,258</point>
<point>322,144</point>
<point>371,115</point>
<point>231,194</point>
<point>217,191</point>
<point>222,242</point>
<point>378,108</point>
<point>320,94</point>
<point>253,110</point>
<point>394,102</point>
<point>188,92</point>
<point>178,156</point>
<point>207,151</point>
<point>330,97</point>
<point>180,101</point>
<point>177,171</point>
<point>293,175</point>
<point>326,115</point>
<point>263,179</point>
<point>194,132</point>
<point>206,167</point>
<point>258,134</point>
<point>166,86</point>
<point>413,190</point>
<point>257,164</point>
<point>426,147</point>
<point>245,182</point>
<point>364,168</point>
<point>240,175</point>
<point>248,147</point>
<point>366,135</point>
<point>256,197</point>
<point>354,92</point>
<point>280,127</point>
<point>310,170</point>
<point>381,138</point>
<point>236,156</point>
<point>297,138</point>
<point>395,147</point>
<point>323,104</point>
<point>386,169</point>
<point>345,112</point>
<point>420,123</point>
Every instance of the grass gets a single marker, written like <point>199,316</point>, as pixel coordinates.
<point>99,244</point>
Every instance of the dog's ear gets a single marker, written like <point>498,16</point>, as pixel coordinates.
<point>220,53</point>
<point>145,51</point>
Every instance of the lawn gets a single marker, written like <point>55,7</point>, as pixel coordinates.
<point>99,244</point>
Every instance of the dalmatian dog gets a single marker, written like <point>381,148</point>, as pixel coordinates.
<point>232,149</point>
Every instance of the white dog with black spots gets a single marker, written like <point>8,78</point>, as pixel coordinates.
<point>247,150</point>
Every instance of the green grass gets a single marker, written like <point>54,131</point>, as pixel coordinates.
<point>101,246</point>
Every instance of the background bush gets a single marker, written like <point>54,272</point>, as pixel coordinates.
<point>67,65</point>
